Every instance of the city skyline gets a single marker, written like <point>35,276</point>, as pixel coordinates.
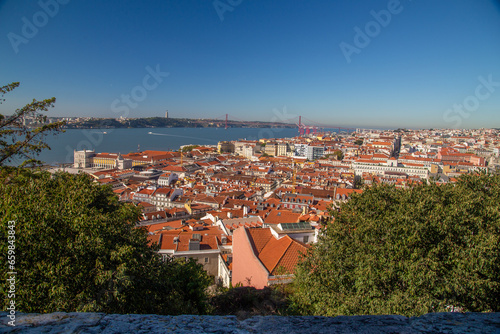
<point>413,64</point>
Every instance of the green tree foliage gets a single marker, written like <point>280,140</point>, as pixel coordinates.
<point>248,301</point>
<point>189,148</point>
<point>17,140</point>
<point>77,249</point>
<point>339,154</point>
<point>358,182</point>
<point>394,251</point>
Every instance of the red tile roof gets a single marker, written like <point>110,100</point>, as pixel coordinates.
<point>279,256</point>
<point>281,216</point>
<point>210,239</point>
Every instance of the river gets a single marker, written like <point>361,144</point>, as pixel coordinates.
<point>128,140</point>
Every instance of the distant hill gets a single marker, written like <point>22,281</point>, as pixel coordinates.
<point>161,122</point>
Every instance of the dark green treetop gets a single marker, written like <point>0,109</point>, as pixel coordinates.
<point>430,248</point>
<point>77,249</point>
<point>18,142</point>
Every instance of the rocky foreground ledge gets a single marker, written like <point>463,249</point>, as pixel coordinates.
<point>139,323</point>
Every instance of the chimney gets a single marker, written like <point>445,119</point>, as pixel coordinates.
<point>245,210</point>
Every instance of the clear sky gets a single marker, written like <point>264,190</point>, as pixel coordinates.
<point>330,61</point>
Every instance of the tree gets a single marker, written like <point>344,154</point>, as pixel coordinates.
<point>429,248</point>
<point>189,148</point>
<point>77,249</point>
<point>19,141</point>
<point>358,182</point>
<point>338,154</point>
<point>358,142</point>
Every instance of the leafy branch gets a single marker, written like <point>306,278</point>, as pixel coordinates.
<point>18,140</point>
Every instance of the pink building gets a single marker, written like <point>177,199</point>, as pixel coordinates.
<point>261,259</point>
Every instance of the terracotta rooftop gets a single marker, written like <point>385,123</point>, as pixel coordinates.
<point>279,256</point>
<point>210,238</point>
<point>281,216</point>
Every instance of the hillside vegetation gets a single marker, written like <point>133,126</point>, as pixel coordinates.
<point>77,249</point>
<point>430,248</point>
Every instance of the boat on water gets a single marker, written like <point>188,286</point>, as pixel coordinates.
<point>150,133</point>
<point>104,133</point>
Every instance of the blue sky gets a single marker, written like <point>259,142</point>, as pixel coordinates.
<point>261,58</point>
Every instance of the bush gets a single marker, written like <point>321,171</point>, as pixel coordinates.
<point>249,301</point>
<point>77,249</point>
<point>430,248</point>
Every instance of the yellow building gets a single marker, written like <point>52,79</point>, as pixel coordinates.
<point>104,160</point>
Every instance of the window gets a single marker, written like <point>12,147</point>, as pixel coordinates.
<point>207,260</point>
<point>306,239</point>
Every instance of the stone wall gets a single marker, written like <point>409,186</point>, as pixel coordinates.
<point>138,323</point>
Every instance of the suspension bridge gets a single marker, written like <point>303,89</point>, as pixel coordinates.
<point>304,126</point>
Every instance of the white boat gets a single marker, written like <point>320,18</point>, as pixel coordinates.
<point>150,133</point>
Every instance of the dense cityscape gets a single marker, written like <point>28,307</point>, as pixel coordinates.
<point>233,166</point>
<point>194,200</point>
